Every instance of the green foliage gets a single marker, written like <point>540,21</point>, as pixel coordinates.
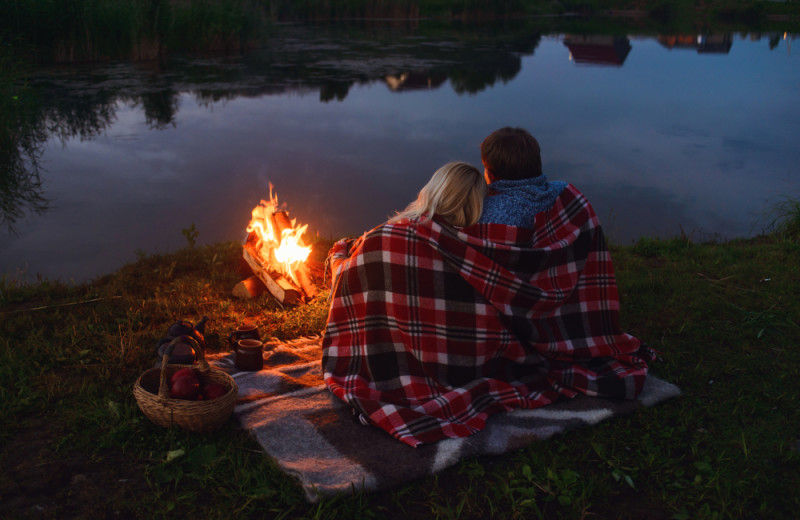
<point>81,29</point>
<point>198,464</point>
<point>98,30</point>
<point>215,25</point>
<point>92,30</point>
<point>547,485</point>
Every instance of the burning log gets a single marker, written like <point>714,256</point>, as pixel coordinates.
<point>275,252</point>
<point>250,287</point>
<point>291,295</point>
<point>282,223</point>
<point>278,287</point>
<point>305,281</point>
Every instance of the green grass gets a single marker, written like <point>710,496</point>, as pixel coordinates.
<point>724,317</point>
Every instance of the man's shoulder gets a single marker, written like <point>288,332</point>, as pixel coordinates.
<point>570,192</point>
<point>517,203</point>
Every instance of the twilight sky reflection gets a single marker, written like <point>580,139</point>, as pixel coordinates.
<point>671,140</point>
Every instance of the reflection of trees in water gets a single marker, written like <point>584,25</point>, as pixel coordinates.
<point>333,58</point>
<point>82,103</point>
<point>489,67</point>
<point>22,132</point>
<point>21,140</point>
<point>69,113</point>
<point>333,90</point>
<point>160,108</point>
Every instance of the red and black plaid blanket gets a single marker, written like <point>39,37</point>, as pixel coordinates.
<point>432,329</point>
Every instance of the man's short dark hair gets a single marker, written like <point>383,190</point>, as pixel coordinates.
<point>512,153</point>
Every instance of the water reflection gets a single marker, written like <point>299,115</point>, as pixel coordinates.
<point>81,102</point>
<point>348,125</point>
<point>20,180</point>
<point>21,134</point>
<point>702,43</point>
<point>323,59</point>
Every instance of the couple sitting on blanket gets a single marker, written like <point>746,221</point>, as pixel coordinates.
<point>467,304</point>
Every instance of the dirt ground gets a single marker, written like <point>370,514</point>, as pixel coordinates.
<point>37,484</point>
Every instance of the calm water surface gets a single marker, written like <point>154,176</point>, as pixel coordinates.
<point>664,135</point>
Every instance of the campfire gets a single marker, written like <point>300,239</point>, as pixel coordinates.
<point>277,256</point>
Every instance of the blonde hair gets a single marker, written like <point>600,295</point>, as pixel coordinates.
<point>455,193</point>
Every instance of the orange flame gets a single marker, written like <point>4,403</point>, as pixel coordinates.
<point>284,246</point>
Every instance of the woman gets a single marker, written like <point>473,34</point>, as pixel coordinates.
<point>454,194</point>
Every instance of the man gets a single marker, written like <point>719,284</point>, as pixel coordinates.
<point>513,170</point>
<point>434,328</point>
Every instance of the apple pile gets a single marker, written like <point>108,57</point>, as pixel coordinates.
<point>184,384</point>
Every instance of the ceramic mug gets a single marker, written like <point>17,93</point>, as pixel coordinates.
<point>244,331</point>
<point>249,355</point>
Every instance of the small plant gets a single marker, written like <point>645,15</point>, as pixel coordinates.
<point>195,464</point>
<point>786,221</point>
<point>525,490</point>
<point>191,235</point>
<point>781,218</point>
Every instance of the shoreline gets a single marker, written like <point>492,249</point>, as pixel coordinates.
<point>21,279</point>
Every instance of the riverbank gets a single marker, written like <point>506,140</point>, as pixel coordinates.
<point>135,30</point>
<point>722,315</point>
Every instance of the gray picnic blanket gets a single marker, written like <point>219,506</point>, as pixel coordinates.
<point>312,435</point>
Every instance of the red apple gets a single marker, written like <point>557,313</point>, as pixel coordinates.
<point>214,390</point>
<point>185,388</point>
<point>184,372</point>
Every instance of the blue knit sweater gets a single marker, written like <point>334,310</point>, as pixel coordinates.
<point>516,202</point>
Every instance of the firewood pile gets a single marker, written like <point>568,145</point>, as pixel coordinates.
<point>275,260</point>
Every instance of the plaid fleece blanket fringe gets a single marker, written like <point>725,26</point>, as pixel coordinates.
<point>432,329</point>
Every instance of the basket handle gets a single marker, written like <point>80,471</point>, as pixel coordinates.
<point>163,389</point>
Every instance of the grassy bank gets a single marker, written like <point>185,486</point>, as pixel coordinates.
<point>723,316</point>
<point>100,30</point>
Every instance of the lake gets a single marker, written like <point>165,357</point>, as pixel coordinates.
<point>665,134</point>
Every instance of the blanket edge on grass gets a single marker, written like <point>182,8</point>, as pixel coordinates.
<point>311,434</point>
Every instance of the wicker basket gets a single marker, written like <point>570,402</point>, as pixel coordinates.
<point>152,394</point>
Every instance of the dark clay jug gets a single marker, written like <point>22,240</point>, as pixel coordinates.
<point>185,328</point>
<point>183,353</point>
